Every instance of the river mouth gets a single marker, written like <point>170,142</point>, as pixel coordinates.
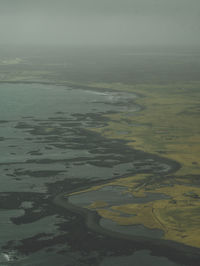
<point>47,149</point>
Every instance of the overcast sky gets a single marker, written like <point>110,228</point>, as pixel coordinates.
<point>82,22</point>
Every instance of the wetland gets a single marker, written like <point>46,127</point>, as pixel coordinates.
<point>97,173</point>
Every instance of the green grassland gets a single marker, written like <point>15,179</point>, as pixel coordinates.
<point>168,126</point>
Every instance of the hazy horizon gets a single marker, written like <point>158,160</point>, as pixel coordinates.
<point>100,23</point>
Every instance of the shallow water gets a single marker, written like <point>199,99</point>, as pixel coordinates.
<point>140,258</point>
<point>46,149</point>
<point>132,230</point>
<point>112,195</point>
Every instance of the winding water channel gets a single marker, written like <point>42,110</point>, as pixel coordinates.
<point>47,150</point>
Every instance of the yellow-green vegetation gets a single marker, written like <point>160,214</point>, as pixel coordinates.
<point>98,204</point>
<point>168,126</point>
<point>177,216</point>
<point>129,182</point>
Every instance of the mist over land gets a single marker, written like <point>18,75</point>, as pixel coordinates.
<point>130,41</point>
<point>99,132</point>
<point>106,22</point>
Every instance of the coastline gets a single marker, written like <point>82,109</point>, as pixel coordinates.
<point>166,248</point>
<point>92,218</point>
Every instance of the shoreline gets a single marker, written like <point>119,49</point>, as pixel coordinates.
<point>165,248</point>
<point>74,86</point>
<point>92,218</point>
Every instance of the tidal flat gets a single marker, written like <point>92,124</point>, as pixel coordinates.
<point>168,128</point>
<point>48,149</point>
<point>109,174</point>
